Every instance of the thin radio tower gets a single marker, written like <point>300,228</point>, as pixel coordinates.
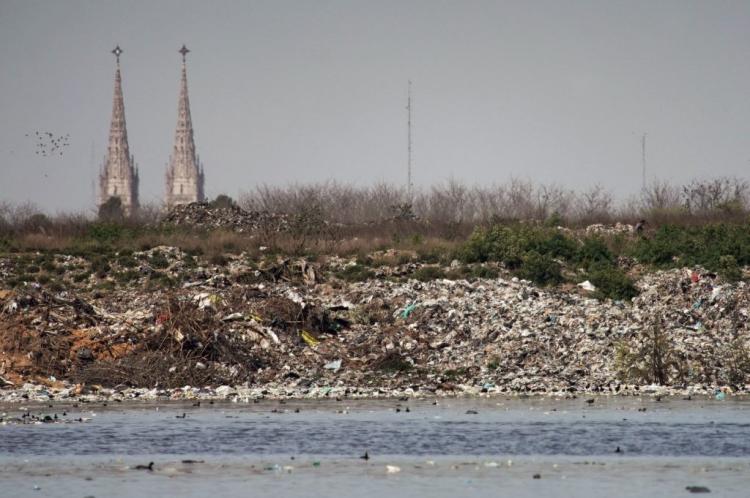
<point>94,174</point>
<point>643,161</point>
<point>408,179</point>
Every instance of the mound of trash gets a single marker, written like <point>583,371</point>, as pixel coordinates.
<point>293,327</point>
<point>205,216</point>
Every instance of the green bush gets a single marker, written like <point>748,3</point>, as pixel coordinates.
<point>6,245</point>
<point>49,265</point>
<point>729,269</point>
<point>159,280</point>
<point>484,272</point>
<point>106,232</point>
<point>611,282</point>
<point>690,246</point>
<point>554,220</point>
<point>540,269</point>
<point>127,261</point>
<point>594,250</point>
<point>552,243</point>
<point>127,276</point>
<point>355,273</point>
<point>427,273</point>
<point>80,277</point>
<point>158,260</point>
<point>490,244</point>
<point>509,244</point>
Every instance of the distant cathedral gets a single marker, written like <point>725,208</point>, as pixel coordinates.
<point>184,172</point>
<point>119,176</point>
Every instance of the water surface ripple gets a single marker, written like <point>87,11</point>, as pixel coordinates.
<point>535,429</point>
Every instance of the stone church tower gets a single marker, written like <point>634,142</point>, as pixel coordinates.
<point>185,172</point>
<point>119,175</point>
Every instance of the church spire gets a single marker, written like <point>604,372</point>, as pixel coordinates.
<point>184,172</point>
<point>119,177</point>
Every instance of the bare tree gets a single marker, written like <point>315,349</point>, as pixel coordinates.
<point>724,194</point>
<point>594,205</point>
<point>660,196</point>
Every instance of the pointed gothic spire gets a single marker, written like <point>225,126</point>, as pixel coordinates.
<point>119,177</point>
<point>184,173</point>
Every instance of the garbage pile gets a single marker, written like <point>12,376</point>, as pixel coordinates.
<point>203,215</point>
<point>617,228</point>
<point>292,328</point>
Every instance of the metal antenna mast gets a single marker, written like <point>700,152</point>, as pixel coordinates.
<point>408,108</point>
<point>94,174</point>
<point>643,160</point>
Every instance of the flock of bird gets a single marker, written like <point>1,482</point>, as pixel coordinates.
<point>49,144</point>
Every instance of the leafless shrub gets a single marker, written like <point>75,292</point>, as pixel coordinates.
<point>651,358</point>
<point>331,215</point>
<point>519,202</point>
<point>444,205</point>
<point>554,200</point>
<point>723,194</point>
<point>148,214</point>
<point>660,196</point>
<point>700,201</point>
<point>190,347</point>
<point>594,205</point>
<point>736,359</point>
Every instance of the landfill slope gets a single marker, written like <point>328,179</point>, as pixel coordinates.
<point>292,328</point>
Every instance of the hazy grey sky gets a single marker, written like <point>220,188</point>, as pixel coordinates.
<point>307,91</point>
